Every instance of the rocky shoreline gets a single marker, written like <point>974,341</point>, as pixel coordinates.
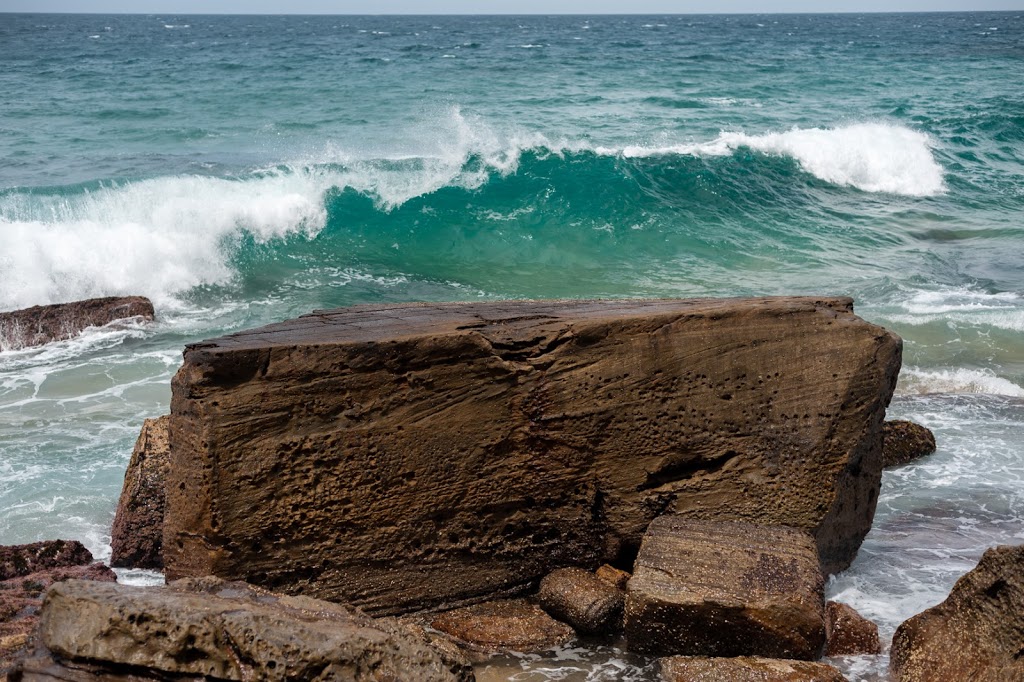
<point>395,492</point>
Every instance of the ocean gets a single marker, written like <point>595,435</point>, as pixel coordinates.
<point>241,170</point>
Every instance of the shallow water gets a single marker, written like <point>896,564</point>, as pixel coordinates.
<point>244,170</point>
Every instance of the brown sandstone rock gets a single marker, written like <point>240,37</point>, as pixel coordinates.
<point>582,600</point>
<point>904,441</point>
<point>404,457</point>
<point>224,631</point>
<point>27,570</point>
<point>137,533</point>
<point>718,588</point>
<point>43,324</point>
<point>849,633</point>
<point>745,669</point>
<point>613,576</point>
<point>503,627</point>
<point>976,634</point>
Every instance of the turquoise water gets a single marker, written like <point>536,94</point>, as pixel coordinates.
<point>243,170</point>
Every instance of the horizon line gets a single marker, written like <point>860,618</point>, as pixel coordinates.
<point>513,14</point>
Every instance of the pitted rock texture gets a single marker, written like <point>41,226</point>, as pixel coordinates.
<point>976,634</point>
<point>581,599</point>
<point>25,572</point>
<point>137,534</point>
<point>849,633</point>
<point>745,669</point>
<point>903,442</point>
<point>507,626</point>
<point>223,631</point>
<point>416,456</point>
<point>725,588</point>
<point>43,324</point>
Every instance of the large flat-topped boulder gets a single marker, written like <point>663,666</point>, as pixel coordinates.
<point>412,456</point>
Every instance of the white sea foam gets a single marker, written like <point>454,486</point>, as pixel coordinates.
<point>963,306</point>
<point>874,157</point>
<point>959,380</point>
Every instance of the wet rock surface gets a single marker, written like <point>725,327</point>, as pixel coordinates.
<point>849,633</point>
<point>211,629</point>
<point>904,441</point>
<point>505,626</point>
<point>414,424</point>
<point>745,669</point>
<point>977,633</point>
<point>581,599</point>
<point>613,576</point>
<point>707,588</point>
<point>137,534</point>
<point>44,324</point>
<point>27,570</point>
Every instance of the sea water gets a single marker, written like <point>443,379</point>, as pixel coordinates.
<point>244,170</point>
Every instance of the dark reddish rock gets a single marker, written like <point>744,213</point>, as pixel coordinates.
<point>44,324</point>
<point>849,633</point>
<point>508,626</point>
<point>613,576</point>
<point>904,441</point>
<point>209,629</point>
<point>745,669</point>
<point>718,588</point>
<point>976,634</point>
<point>137,534</point>
<point>581,599</point>
<point>425,456</point>
<point>28,570</point>
<point>21,560</point>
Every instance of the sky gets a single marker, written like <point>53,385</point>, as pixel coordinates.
<point>499,6</point>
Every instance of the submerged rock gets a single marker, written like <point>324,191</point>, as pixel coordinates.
<point>25,572</point>
<point>507,626</point>
<point>210,629</point>
<point>582,600</point>
<point>415,456</point>
<point>849,633</point>
<point>717,588</point>
<point>47,323</point>
<point>977,633</point>
<point>904,441</point>
<point>136,537</point>
<point>745,669</point>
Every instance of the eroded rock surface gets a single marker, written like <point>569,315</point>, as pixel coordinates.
<point>507,626</point>
<point>613,576</point>
<point>404,457</point>
<point>25,572</point>
<point>904,441</point>
<point>137,534</point>
<point>43,324</point>
<point>849,633</point>
<point>581,599</point>
<point>210,629</point>
<point>718,588</point>
<point>745,669</point>
<point>976,634</point>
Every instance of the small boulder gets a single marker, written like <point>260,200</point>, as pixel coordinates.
<point>207,628</point>
<point>613,575</point>
<point>977,633</point>
<point>46,323</point>
<point>714,588</point>
<point>511,626</point>
<point>849,633</point>
<point>21,560</point>
<point>136,537</point>
<point>904,441</point>
<point>581,599</point>
<point>745,669</point>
